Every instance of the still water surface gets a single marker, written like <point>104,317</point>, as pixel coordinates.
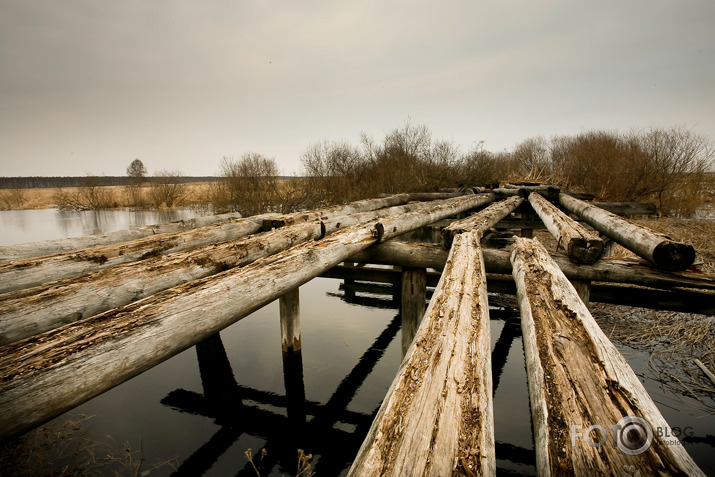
<point>351,352</point>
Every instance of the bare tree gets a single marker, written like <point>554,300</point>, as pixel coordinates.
<point>249,185</point>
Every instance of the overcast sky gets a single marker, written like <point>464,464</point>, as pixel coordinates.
<point>88,86</point>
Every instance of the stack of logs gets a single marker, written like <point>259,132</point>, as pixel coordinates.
<point>106,309</point>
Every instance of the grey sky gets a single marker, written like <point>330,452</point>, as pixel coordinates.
<point>88,86</point>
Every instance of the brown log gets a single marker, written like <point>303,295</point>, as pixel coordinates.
<point>482,220</point>
<point>20,274</point>
<point>48,374</point>
<point>437,416</point>
<point>578,379</point>
<point>497,261</point>
<point>580,245</point>
<point>51,247</point>
<point>655,247</point>
<point>335,211</point>
<point>627,208</point>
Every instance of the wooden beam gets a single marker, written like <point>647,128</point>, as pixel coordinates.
<point>577,379</point>
<point>580,245</point>
<point>51,247</point>
<point>655,247</point>
<point>437,416</point>
<point>497,261</point>
<point>627,208</point>
<point>20,274</point>
<point>48,374</point>
<point>335,211</point>
<point>482,220</point>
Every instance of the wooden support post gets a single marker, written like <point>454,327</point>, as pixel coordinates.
<point>583,289</point>
<point>437,416</point>
<point>577,379</point>
<point>44,376</point>
<point>655,247</point>
<point>482,220</point>
<point>414,292</point>
<point>289,306</point>
<point>580,245</point>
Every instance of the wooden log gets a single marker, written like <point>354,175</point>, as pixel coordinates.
<point>413,296</point>
<point>580,245</point>
<point>437,416</point>
<point>392,227</point>
<point>655,247</point>
<point>497,261</point>
<point>289,307</point>
<point>577,379</point>
<point>335,211</point>
<point>627,208</point>
<point>51,247</point>
<point>20,274</point>
<point>335,223</point>
<point>482,220</point>
<point>28,312</point>
<point>48,374</point>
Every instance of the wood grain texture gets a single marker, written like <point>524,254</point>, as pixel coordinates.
<point>437,416</point>
<point>482,220</point>
<point>576,377</point>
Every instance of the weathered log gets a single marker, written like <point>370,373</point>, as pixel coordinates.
<point>289,308</point>
<point>391,227</point>
<point>412,309</point>
<point>577,379</point>
<point>482,220</point>
<point>335,223</point>
<point>28,273</point>
<point>335,211</point>
<point>51,247</point>
<point>437,416</point>
<point>497,261</point>
<point>48,374</point>
<point>509,190</point>
<point>655,247</point>
<point>39,309</point>
<point>627,208</point>
<point>580,245</point>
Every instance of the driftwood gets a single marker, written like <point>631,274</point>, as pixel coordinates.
<point>335,211</point>
<point>51,247</point>
<point>20,274</point>
<point>577,379</point>
<point>48,374</point>
<point>655,247</point>
<point>482,220</point>
<point>580,245</point>
<point>437,416</point>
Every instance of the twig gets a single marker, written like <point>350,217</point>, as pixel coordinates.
<point>705,370</point>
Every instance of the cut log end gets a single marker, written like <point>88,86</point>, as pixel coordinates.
<point>674,256</point>
<point>585,251</point>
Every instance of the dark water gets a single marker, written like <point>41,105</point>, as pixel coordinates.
<point>199,412</point>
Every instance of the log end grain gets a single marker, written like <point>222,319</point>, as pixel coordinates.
<point>673,256</point>
<point>585,251</point>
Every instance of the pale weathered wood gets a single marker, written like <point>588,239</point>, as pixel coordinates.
<point>482,220</point>
<point>48,374</point>
<point>42,308</point>
<point>577,378</point>
<point>437,416</point>
<point>51,247</point>
<point>497,261</point>
<point>335,211</point>
<point>391,227</point>
<point>20,274</point>
<point>580,245</point>
<point>655,247</point>
<point>413,296</point>
<point>289,307</point>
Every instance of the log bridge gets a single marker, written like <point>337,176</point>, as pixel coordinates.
<point>80,316</point>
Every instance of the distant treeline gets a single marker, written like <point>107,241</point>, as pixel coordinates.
<point>81,181</point>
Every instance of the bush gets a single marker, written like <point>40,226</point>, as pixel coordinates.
<point>167,190</point>
<point>248,185</point>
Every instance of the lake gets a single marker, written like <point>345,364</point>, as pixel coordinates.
<point>201,411</point>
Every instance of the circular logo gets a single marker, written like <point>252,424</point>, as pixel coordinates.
<point>634,435</point>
